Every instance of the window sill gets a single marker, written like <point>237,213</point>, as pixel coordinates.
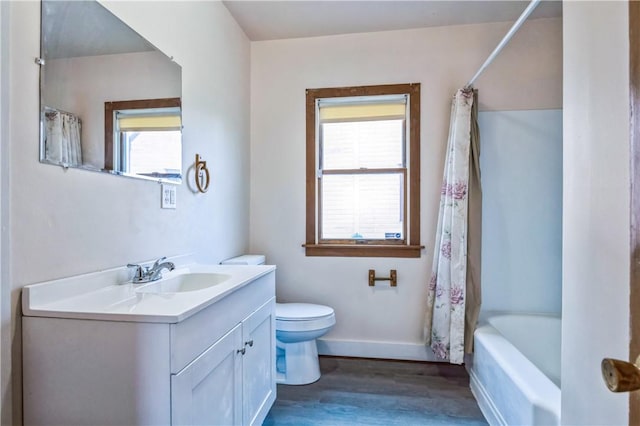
<point>369,250</point>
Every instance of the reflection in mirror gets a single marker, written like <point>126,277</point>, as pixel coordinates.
<point>91,59</point>
<point>142,137</point>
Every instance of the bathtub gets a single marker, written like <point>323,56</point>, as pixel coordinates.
<point>515,368</point>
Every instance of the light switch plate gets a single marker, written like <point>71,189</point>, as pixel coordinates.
<point>168,198</point>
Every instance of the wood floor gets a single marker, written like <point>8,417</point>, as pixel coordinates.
<point>355,391</point>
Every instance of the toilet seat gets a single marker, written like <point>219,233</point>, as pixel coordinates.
<point>301,311</point>
<point>303,317</point>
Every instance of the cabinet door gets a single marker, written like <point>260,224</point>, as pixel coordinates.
<point>208,391</point>
<point>258,363</point>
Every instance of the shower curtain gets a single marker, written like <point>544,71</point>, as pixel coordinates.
<point>62,138</point>
<point>453,301</point>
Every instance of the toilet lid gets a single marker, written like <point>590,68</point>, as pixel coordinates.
<point>301,311</point>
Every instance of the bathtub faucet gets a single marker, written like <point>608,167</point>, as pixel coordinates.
<point>145,274</point>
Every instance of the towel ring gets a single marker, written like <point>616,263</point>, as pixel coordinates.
<point>200,172</point>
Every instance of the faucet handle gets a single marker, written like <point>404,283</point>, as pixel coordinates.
<point>157,262</point>
<point>139,273</point>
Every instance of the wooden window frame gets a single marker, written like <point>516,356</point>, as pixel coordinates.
<point>411,248</point>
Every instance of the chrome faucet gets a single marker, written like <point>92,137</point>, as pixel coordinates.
<point>145,274</point>
<point>158,266</point>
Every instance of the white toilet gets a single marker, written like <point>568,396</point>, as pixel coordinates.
<point>298,325</point>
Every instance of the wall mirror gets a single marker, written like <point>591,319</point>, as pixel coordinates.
<point>109,100</point>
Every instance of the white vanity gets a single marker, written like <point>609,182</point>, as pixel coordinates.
<point>196,347</point>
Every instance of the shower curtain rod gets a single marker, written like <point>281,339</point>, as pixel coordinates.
<point>516,26</point>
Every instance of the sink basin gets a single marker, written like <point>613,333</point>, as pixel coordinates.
<point>184,283</point>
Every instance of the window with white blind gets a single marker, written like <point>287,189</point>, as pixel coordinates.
<point>363,168</point>
<point>149,142</point>
<point>143,138</point>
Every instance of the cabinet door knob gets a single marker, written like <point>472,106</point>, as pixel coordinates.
<point>241,351</point>
<point>249,342</point>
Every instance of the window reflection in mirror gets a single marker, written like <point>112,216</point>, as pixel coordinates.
<point>143,138</point>
<point>90,57</point>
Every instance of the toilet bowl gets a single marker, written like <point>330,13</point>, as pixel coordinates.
<point>298,325</point>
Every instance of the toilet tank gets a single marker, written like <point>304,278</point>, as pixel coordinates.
<point>245,259</point>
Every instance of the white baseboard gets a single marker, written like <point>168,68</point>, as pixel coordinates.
<point>381,350</point>
<point>485,403</point>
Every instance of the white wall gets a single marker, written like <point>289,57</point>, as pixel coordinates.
<point>82,85</point>
<point>380,321</point>
<point>5,288</point>
<point>70,222</point>
<point>595,208</point>
<point>521,163</point>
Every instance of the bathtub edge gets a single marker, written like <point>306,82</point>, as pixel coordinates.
<point>535,396</point>
<point>487,407</point>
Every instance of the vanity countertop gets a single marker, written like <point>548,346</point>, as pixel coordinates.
<point>105,295</point>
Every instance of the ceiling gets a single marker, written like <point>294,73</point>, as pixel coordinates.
<point>79,28</point>
<point>270,20</point>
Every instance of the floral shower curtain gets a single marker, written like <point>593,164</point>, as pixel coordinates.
<point>454,289</point>
<point>62,138</point>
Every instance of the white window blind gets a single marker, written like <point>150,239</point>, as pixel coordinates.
<point>149,141</point>
<point>128,123</point>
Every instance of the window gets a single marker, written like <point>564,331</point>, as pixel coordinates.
<point>363,171</point>
<point>144,138</point>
